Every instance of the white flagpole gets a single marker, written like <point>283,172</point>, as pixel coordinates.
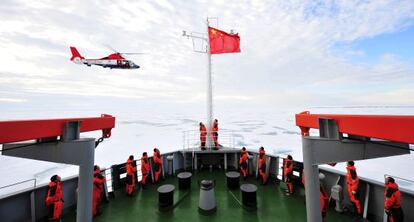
<point>210,142</point>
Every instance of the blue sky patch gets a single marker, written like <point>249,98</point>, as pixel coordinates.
<point>372,50</point>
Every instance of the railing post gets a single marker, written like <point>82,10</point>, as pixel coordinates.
<point>366,202</point>
<point>183,140</point>
<point>33,206</point>
<point>85,184</point>
<point>225,161</point>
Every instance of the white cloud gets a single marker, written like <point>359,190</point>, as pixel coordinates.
<point>394,97</point>
<point>12,100</point>
<point>286,49</point>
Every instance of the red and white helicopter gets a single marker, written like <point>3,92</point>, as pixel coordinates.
<point>113,61</point>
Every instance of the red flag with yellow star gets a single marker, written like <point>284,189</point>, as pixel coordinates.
<point>222,42</point>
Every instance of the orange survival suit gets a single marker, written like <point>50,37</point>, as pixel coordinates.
<point>323,197</point>
<point>262,165</point>
<point>214,133</point>
<point>54,200</point>
<point>145,169</point>
<point>203,135</point>
<point>324,201</point>
<point>131,170</point>
<point>288,173</point>
<point>392,203</point>
<point>244,156</point>
<point>352,181</point>
<point>303,177</point>
<point>157,165</point>
<point>98,189</point>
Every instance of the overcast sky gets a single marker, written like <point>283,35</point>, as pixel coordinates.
<point>294,53</point>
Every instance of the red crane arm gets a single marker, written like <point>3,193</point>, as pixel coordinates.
<point>385,127</point>
<point>22,130</point>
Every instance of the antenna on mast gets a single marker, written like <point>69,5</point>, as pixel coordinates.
<point>185,34</point>
<point>200,41</point>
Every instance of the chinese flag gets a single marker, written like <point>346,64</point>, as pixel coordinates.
<point>222,42</point>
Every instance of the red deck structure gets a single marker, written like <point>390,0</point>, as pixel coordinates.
<point>385,127</point>
<point>22,130</point>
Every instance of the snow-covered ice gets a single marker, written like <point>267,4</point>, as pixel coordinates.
<point>139,131</point>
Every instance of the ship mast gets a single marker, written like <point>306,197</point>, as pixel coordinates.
<point>209,93</point>
<point>209,119</point>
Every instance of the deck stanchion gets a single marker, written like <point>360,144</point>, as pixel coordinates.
<point>313,208</point>
<point>85,184</point>
<point>69,149</point>
<point>331,146</point>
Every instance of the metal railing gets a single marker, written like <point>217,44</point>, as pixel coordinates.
<point>139,173</point>
<point>108,175</point>
<point>17,187</point>
<point>279,175</point>
<point>191,139</point>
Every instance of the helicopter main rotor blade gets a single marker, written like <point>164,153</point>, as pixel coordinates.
<point>124,53</point>
<point>133,53</point>
<point>110,48</point>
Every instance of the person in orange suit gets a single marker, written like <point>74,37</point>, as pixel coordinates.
<point>262,165</point>
<point>214,133</point>
<point>303,177</point>
<point>98,189</point>
<point>324,201</point>
<point>288,173</point>
<point>392,204</point>
<point>157,164</point>
<point>244,156</point>
<point>131,169</point>
<point>323,195</point>
<point>145,169</point>
<point>203,135</point>
<point>54,201</point>
<point>352,181</point>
